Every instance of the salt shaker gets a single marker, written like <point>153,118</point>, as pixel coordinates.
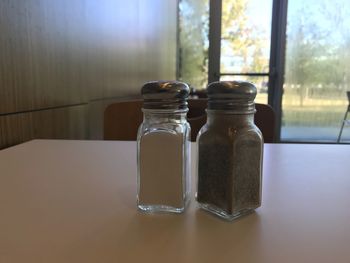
<point>163,148</point>
<point>230,152</point>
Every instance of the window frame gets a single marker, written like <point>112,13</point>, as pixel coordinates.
<point>277,54</point>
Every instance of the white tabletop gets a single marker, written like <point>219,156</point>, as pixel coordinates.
<point>74,201</point>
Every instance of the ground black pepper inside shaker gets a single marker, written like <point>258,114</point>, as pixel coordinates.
<point>230,149</point>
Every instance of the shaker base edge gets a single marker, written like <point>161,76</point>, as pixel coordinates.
<point>160,209</point>
<point>223,214</point>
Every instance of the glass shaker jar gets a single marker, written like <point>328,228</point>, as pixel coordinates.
<point>163,148</point>
<point>230,152</point>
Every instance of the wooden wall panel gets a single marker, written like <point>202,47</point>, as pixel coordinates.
<point>41,54</point>
<point>113,48</point>
<point>62,123</point>
<point>69,52</point>
<point>55,53</point>
<point>158,42</point>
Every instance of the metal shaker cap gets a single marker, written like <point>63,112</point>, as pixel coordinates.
<point>234,96</point>
<point>170,95</point>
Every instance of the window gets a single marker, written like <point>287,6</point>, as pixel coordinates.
<point>317,71</point>
<point>193,42</point>
<point>245,43</point>
<point>296,52</point>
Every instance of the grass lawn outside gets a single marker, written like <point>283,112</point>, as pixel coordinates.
<point>318,119</point>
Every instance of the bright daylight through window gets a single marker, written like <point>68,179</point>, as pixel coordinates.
<point>317,59</point>
<point>317,71</point>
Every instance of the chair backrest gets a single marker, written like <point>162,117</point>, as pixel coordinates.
<point>122,119</point>
<point>265,120</point>
<point>196,116</point>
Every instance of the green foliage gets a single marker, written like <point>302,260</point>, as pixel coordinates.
<point>242,39</point>
<point>318,48</point>
<point>194,29</point>
<point>239,39</point>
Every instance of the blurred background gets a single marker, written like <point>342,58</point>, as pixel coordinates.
<point>63,62</point>
<point>310,41</point>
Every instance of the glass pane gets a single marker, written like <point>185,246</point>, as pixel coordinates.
<point>317,72</point>
<point>193,41</point>
<point>245,36</point>
<point>261,84</point>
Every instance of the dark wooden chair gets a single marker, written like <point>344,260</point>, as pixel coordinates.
<point>196,116</point>
<point>122,119</point>
<point>265,120</point>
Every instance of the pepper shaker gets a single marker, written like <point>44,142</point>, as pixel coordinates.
<point>163,148</point>
<point>230,152</point>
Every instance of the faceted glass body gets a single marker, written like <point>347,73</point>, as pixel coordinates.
<point>163,151</point>
<point>230,149</point>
